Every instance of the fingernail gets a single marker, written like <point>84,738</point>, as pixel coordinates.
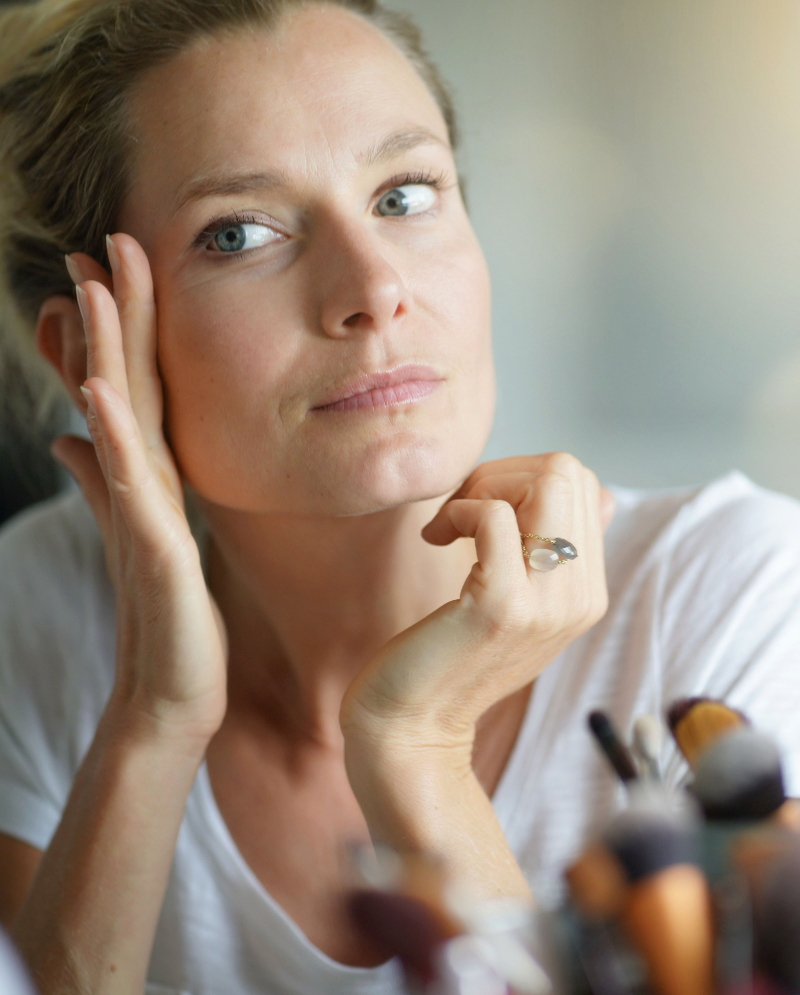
<point>113,254</point>
<point>83,303</point>
<point>88,396</point>
<point>73,269</point>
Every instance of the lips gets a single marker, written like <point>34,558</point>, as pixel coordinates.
<point>402,385</point>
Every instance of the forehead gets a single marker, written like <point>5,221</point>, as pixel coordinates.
<point>309,97</point>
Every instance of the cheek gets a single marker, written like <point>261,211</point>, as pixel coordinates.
<point>459,296</point>
<point>217,345</point>
<point>222,364</point>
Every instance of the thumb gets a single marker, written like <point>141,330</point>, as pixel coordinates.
<point>78,457</point>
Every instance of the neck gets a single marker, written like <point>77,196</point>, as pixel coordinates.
<point>307,603</point>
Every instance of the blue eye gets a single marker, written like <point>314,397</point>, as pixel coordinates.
<point>241,237</point>
<point>414,198</point>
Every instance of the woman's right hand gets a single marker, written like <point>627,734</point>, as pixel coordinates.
<point>171,644</point>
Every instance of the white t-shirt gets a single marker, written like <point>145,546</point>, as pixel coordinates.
<point>14,978</point>
<point>704,599</point>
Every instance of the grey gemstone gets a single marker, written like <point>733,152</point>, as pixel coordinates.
<point>565,549</point>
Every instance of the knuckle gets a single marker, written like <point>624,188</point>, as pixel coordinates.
<point>127,306</point>
<point>119,486</point>
<point>591,479</point>
<point>555,483</point>
<point>495,508</point>
<point>563,463</point>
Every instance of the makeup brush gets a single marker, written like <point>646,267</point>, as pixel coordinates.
<point>788,815</point>
<point>649,838</point>
<point>776,908</point>
<point>647,876</point>
<point>602,960</point>
<point>597,883</point>
<point>739,776</point>
<point>697,722</point>
<point>400,926</point>
<point>668,917</point>
<point>615,750</point>
<point>733,915</point>
<point>647,739</point>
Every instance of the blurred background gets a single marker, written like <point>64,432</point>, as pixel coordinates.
<point>633,172</point>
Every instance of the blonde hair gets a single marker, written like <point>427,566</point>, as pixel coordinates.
<point>66,68</point>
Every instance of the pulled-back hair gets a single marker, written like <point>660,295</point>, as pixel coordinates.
<point>65,140</point>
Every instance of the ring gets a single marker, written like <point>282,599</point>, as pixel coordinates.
<point>560,551</point>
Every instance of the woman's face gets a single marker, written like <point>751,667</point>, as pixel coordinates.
<point>324,341</point>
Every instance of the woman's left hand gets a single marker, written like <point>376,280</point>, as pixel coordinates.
<point>431,683</point>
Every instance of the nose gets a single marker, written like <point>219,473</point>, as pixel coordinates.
<point>360,289</point>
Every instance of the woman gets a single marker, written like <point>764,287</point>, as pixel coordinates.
<point>294,323</point>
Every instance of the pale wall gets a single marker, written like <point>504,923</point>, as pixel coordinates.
<point>634,175</point>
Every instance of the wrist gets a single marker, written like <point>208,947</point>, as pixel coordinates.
<point>160,730</point>
<point>406,779</point>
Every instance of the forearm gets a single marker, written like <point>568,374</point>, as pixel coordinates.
<point>415,798</point>
<point>88,923</point>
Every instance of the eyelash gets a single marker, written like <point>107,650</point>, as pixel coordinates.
<point>426,178</point>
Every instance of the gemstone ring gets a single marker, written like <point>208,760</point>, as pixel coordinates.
<point>556,552</point>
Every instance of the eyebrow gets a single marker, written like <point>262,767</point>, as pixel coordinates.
<point>228,184</point>
<point>400,142</point>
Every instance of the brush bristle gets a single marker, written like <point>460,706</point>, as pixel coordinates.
<point>647,737</point>
<point>646,842</point>
<point>740,777</point>
<point>702,724</point>
<point>678,709</point>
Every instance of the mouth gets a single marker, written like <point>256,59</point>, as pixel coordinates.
<point>403,385</point>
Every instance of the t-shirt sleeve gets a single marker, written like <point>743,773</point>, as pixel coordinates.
<point>54,663</point>
<point>728,624</point>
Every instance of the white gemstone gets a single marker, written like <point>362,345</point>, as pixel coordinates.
<point>543,559</point>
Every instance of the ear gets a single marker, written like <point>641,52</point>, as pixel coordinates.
<point>60,338</point>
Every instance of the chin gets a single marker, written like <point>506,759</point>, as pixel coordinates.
<point>387,477</point>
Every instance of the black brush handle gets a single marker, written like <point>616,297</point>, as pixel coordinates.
<point>616,751</point>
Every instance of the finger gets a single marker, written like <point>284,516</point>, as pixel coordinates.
<point>79,458</point>
<point>104,355</point>
<point>133,293</point>
<point>82,268</point>
<point>545,504</point>
<point>152,515</point>
<point>493,526</point>
<point>608,508</point>
<point>593,503</point>
<point>558,462</point>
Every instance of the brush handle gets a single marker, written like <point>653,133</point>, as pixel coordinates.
<point>616,751</point>
<point>669,919</point>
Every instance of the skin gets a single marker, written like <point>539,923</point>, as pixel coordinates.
<point>349,668</point>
